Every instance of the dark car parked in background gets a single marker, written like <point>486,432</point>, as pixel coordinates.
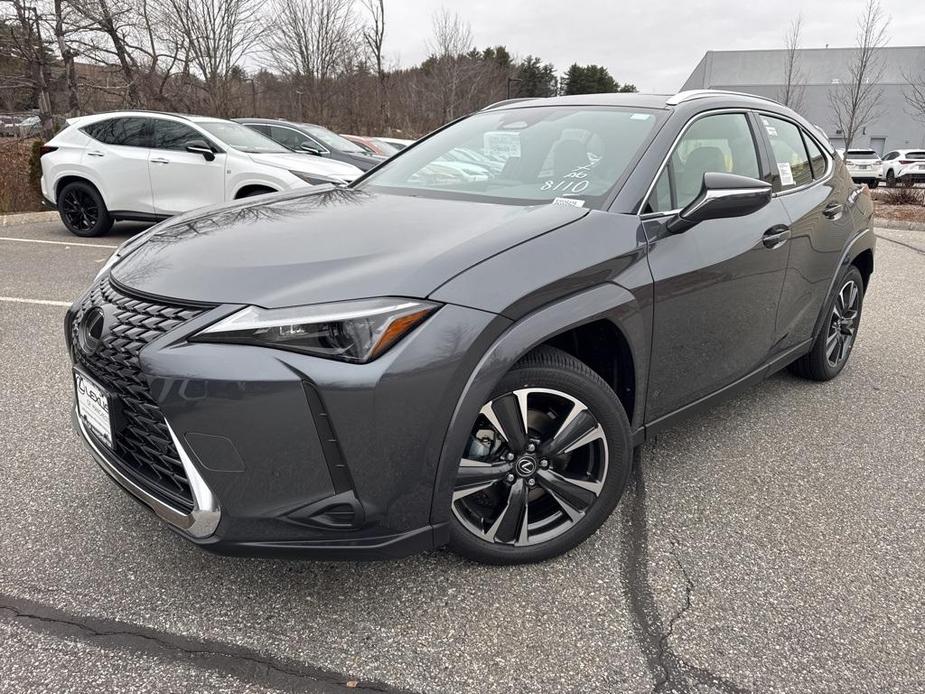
<point>428,357</point>
<point>313,139</point>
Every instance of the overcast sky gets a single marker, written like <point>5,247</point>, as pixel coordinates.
<point>654,44</point>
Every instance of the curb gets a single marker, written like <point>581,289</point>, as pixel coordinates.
<point>895,224</point>
<point>7,220</point>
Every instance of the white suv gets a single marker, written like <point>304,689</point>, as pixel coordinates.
<point>863,166</point>
<point>148,166</point>
<point>903,166</point>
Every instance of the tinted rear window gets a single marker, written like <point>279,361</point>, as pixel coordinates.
<point>125,132</point>
<point>862,154</point>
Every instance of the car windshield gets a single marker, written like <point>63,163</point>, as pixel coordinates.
<point>241,137</point>
<point>523,156</point>
<point>860,154</point>
<point>333,140</point>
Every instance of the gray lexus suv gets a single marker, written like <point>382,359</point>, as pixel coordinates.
<point>464,345</point>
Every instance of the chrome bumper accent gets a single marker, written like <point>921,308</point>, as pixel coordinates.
<point>199,523</point>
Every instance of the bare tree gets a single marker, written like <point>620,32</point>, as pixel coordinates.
<point>112,21</point>
<point>374,38</point>
<point>447,66</point>
<point>855,102</point>
<point>27,45</point>
<point>68,54</point>
<point>309,42</point>
<point>794,80</point>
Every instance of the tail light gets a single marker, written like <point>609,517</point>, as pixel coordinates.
<point>45,149</point>
<point>905,161</point>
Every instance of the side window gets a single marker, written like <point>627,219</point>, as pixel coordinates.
<point>126,132</point>
<point>288,137</point>
<point>172,135</point>
<point>713,144</point>
<point>816,157</point>
<point>660,199</point>
<point>890,156</point>
<point>789,152</point>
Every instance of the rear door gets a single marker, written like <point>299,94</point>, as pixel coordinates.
<point>182,180</point>
<point>814,189</point>
<point>118,155</point>
<point>717,285</point>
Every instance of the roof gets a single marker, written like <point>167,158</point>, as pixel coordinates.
<point>631,99</point>
<point>817,66</point>
<point>276,121</point>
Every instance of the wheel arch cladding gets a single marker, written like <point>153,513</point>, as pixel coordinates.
<point>555,324</point>
<point>72,178</point>
<point>602,346</point>
<point>864,261</point>
<point>252,189</point>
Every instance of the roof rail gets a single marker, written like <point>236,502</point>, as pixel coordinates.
<point>505,102</point>
<point>690,94</point>
<point>140,110</point>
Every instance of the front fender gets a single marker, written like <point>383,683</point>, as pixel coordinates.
<point>606,301</point>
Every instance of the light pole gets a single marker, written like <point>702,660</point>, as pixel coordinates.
<point>510,81</point>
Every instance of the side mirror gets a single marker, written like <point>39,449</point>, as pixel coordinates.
<point>201,147</point>
<point>722,195</point>
<point>310,148</point>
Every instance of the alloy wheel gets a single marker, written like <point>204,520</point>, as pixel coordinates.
<point>843,324</point>
<point>80,209</point>
<point>536,463</point>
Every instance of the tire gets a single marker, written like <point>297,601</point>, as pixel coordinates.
<point>551,383</point>
<point>874,183</point>
<point>82,210</point>
<point>817,364</point>
<point>890,179</point>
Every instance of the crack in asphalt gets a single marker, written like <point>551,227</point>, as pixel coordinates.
<point>668,670</point>
<point>237,661</point>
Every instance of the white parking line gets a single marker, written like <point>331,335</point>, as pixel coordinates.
<point>58,243</point>
<point>41,302</point>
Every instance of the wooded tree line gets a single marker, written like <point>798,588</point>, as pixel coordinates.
<point>323,61</point>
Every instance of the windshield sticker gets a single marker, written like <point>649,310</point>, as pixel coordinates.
<point>640,116</point>
<point>571,202</point>
<point>772,131</point>
<point>786,175</point>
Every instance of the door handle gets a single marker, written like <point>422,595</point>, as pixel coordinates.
<point>94,153</point>
<point>159,160</point>
<point>776,236</point>
<point>833,210</point>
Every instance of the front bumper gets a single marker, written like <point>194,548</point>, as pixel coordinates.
<point>198,523</point>
<point>295,455</point>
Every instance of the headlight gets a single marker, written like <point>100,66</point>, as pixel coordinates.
<point>354,331</point>
<point>316,180</point>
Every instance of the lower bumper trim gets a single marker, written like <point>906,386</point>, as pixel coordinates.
<point>199,523</point>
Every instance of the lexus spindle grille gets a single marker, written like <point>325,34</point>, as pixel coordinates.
<point>141,441</point>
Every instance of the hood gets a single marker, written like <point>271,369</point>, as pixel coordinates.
<point>331,245</point>
<point>294,161</point>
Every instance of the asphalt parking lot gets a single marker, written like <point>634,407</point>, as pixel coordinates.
<point>775,544</point>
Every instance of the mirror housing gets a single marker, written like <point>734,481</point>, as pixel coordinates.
<point>722,195</point>
<point>310,148</point>
<point>201,147</point>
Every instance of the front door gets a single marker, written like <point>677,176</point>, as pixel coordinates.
<point>181,180</point>
<point>717,285</point>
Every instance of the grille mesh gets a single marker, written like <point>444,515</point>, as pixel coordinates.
<point>142,443</point>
